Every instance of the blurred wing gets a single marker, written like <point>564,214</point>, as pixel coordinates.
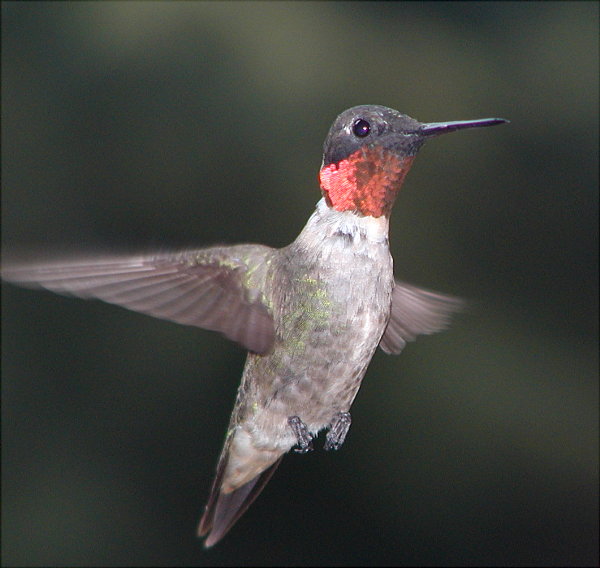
<point>414,312</point>
<point>217,288</point>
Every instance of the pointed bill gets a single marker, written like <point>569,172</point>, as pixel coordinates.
<point>435,128</point>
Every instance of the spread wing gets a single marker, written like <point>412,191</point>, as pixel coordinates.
<point>416,311</point>
<point>217,288</point>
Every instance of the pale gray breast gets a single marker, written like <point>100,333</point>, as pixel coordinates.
<point>331,306</point>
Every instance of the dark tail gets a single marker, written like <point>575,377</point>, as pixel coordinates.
<point>224,509</point>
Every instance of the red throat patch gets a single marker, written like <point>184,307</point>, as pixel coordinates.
<point>366,181</point>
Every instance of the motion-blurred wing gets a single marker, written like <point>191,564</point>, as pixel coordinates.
<point>414,312</point>
<point>217,288</point>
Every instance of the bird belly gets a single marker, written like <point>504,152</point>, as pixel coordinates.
<point>330,313</point>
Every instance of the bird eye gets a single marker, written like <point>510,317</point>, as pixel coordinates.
<point>361,128</point>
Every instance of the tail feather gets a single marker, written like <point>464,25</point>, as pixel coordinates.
<point>224,509</point>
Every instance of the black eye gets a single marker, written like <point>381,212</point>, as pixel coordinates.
<point>361,128</point>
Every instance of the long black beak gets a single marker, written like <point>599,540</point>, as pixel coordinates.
<point>435,128</point>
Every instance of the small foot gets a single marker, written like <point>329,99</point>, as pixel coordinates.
<point>302,434</point>
<point>340,424</point>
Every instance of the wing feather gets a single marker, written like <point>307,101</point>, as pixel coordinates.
<point>208,288</point>
<point>416,311</point>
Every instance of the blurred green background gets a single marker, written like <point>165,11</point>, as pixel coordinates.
<point>136,125</point>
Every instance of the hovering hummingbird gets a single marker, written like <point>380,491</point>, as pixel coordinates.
<point>311,314</point>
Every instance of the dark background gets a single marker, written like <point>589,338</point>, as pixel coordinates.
<point>133,125</point>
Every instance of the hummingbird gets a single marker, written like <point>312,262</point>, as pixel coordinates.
<point>310,314</point>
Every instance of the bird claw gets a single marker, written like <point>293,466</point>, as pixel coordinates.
<point>340,424</point>
<point>303,436</point>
